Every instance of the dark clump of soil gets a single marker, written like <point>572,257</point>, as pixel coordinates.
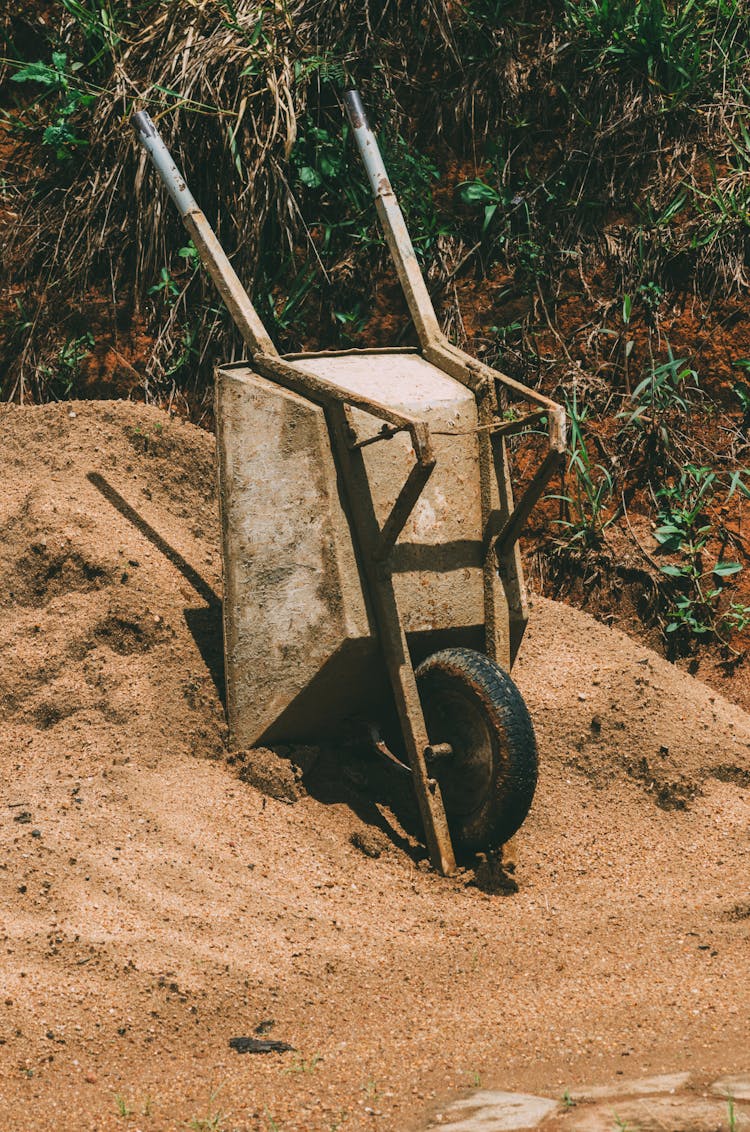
<point>44,572</point>
<point>125,634</point>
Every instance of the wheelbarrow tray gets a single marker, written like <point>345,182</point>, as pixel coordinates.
<point>301,643</point>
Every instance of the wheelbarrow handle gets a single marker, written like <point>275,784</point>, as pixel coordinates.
<point>210,250</point>
<point>394,226</point>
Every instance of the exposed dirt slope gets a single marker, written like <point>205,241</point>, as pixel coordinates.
<point>153,905</point>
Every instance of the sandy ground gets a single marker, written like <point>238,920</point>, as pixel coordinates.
<point>155,905</point>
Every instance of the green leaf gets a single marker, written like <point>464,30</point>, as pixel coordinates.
<point>489,212</point>
<point>310,177</point>
<point>724,569</point>
<point>672,571</point>
<point>477,192</point>
<point>668,531</point>
<point>37,73</point>
<point>736,482</point>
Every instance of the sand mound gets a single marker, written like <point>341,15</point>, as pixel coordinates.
<point>155,905</point>
<point>109,581</point>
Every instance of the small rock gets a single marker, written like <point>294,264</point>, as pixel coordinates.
<point>36,833</point>
<point>90,1078</point>
<point>259,1045</point>
<point>596,724</point>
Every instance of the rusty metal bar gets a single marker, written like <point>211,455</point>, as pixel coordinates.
<point>511,532</point>
<point>404,505</point>
<point>210,250</point>
<point>469,371</point>
<point>387,432</point>
<point>326,393</point>
<point>512,428</point>
<point>392,638</point>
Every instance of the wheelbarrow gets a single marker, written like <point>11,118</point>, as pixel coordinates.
<point>370,542</point>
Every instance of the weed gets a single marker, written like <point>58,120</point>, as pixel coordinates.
<point>123,1108</point>
<point>664,393</point>
<point>685,530</point>
<point>651,295</point>
<point>56,79</point>
<point>191,255</point>
<point>735,619</point>
<point>166,286</point>
<point>585,518</point>
<point>301,1065</point>
<point>622,1125</point>
<point>731,1115</point>
<point>567,1099</point>
<point>671,47</point>
<point>186,351</point>
<point>61,376</point>
<point>478,192</point>
<point>214,1118</point>
<point>100,27</point>
<point>353,322</point>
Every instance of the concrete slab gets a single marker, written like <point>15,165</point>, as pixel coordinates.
<point>736,1086</point>
<point>638,1087</point>
<point>495,1111</point>
<point>653,1114</point>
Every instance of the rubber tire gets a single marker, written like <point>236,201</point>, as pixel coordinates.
<point>488,783</point>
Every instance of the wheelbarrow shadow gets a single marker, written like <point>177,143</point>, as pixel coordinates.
<point>204,623</point>
<point>346,773</point>
<point>351,775</point>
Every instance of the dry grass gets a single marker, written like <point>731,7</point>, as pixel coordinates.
<point>594,160</point>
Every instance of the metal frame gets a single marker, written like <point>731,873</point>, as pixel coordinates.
<point>373,543</point>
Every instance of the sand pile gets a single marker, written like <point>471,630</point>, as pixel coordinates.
<point>154,905</point>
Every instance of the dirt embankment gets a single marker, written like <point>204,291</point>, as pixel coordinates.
<point>154,905</point>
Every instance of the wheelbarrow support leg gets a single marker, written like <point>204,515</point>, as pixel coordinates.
<point>393,637</point>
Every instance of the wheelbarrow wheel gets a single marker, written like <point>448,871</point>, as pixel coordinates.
<point>489,776</point>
